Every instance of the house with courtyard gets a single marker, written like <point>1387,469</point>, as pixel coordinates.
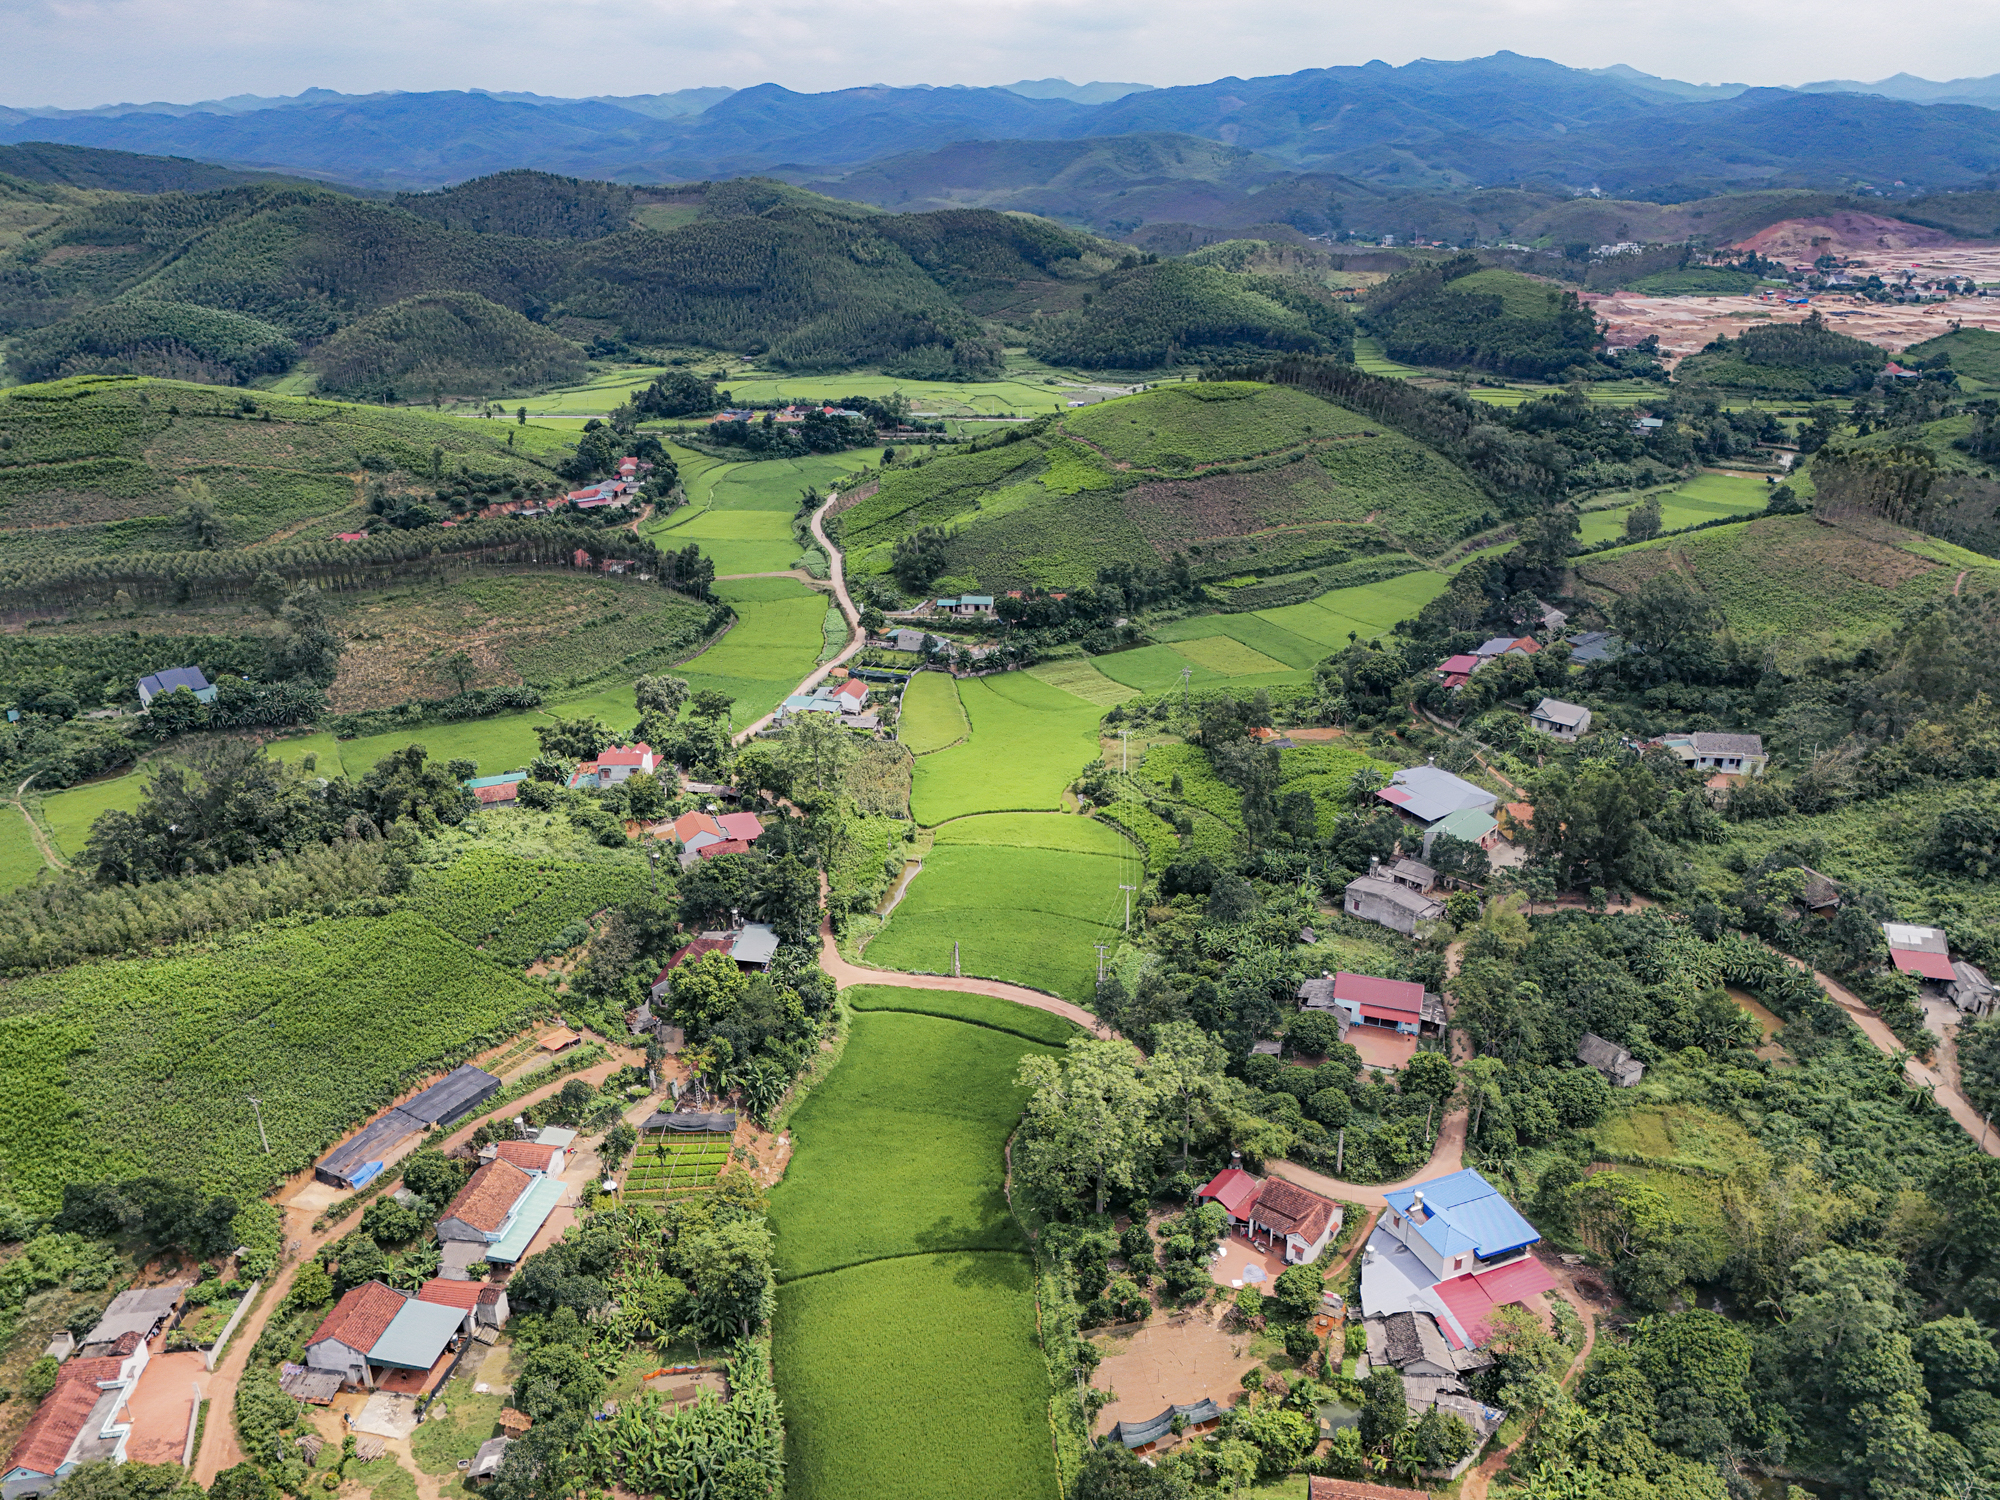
<point>619,763</point>
<point>1374,897</point>
<point>1721,754</point>
<point>84,1419</point>
<point>1925,953</point>
<point>375,1331</point>
<point>1277,1215</point>
<point>1394,1005</point>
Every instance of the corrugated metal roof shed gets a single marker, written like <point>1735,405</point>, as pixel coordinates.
<point>416,1336</point>
<point>529,1216</point>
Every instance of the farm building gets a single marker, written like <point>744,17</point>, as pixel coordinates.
<point>1565,721</point>
<point>1594,646</point>
<point>483,1304</point>
<point>140,1312</point>
<point>1926,953</point>
<point>1454,1250</point>
<point>1375,898</point>
<point>1455,671</point>
<point>174,678</point>
<point>1143,1437</point>
<point>356,1160</point>
<point>1425,795</point>
<point>1620,1068</point>
<point>498,1212</point>
<point>83,1419</point>
<point>1725,754</point>
<point>486,1463</point>
<point>529,1156</point>
<point>1469,824</point>
<point>689,1122</point>
<point>755,946</point>
<point>374,1330</point>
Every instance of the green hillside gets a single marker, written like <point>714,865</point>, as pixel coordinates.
<point>1787,358</point>
<point>1236,477</point>
<point>452,341</point>
<point>1178,313</point>
<point>1454,315</point>
<point>1975,352</point>
<point>91,464</point>
<point>174,339</point>
<point>534,205</point>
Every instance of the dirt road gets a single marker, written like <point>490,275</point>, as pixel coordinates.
<point>1447,1156</point>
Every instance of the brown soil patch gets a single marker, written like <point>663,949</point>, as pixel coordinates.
<point>1169,512</point>
<point>1842,233</point>
<point>1171,1361</point>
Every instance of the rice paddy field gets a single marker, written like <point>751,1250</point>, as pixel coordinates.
<point>20,859</point>
<point>1366,611</point>
<point>897,1257</point>
<point>931,718</point>
<point>1706,497</point>
<point>1023,896</point>
<point>1028,395</point>
<point>740,514</point>
<point>1028,741</point>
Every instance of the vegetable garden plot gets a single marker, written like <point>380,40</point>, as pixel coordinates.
<point>673,1164</point>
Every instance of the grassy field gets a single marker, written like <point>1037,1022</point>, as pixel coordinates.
<point>896,1255</point>
<point>1703,498</point>
<point>981,1010</point>
<point>740,514</point>
<point>1029,396</point>
<point>1367,611</point>
<point>774,643</point>
<point>931,718</point>
<point>20,860</point>
<point>1791,577</point>
<point>1028,742</point>
<point>1199,662</point>
<point>1080,677</point>
<point>1259,634</point>
<point>1023,896</point>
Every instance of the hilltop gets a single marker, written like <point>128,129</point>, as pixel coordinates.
<point>1228,477</point>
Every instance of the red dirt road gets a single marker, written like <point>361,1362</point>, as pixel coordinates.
<point>1447,1156</point>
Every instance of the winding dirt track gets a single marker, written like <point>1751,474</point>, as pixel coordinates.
<point>856,636</point>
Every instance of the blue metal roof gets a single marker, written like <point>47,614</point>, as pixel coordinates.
<point>416,1336</point>
<point>506,780</point>
<point>1464,1212</point>
<point>529,1215</point>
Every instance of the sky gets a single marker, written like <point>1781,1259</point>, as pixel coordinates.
<point>79,53</point>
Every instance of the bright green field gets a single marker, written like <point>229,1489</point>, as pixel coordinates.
<point>1703,498</point>
<point>980,1010</point>
<point>1080,677</point>
<point>768,651</point>
<point>913,1379</point>
<point>947,398</point>
<point>931,718</point>
<point>1024,899</point>
<point>1367,611</point>
<point>896,1176</point>
<point>1028,742</point>
<point>1254,631</point>
<point>1150,668</point>
<point>898,1152</point>
<point>740,514</point>
<point>20,859</point>
<point>1369,356</point>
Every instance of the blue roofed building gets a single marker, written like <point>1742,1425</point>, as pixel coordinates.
<point>161,683</point>
<point>1458,1225</point>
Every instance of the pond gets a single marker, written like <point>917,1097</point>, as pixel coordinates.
<point>1334,1415</point>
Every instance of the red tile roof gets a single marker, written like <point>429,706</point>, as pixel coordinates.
<point>626,755</point>
<point>1399,996</point>
<point>1355,1489</point>
<point>746,826</point>
<point>1474,1299</point>
<point>359,1318</point>
<point>528,1156</point>
<point>694,950</point>
<point>507,791</point>
<point>723,846</point>
<point>1291,1209</point>
<point>46,1441</point>
<point>688,824</point>
<point>1235,1189</point>
<point>1465,661</point>
<point>463,1294</point>
<point>484,1202</point>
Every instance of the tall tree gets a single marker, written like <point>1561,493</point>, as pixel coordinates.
<point>1182,1074</point>
<point>1086,1124</point>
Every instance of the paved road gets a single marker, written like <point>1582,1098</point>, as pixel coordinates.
<point>856,636</point>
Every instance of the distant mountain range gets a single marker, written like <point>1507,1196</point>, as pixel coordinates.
<point>1428,126</point>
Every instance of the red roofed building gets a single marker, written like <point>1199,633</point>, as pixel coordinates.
<point>483,1303</point>
<point>1474,1300</point>
<point>1235,1189</point>
<point>623,761</point>
<point>76,1422</point>
<point>484,1203</point>
<point>529,1156</point>
<point>708,942</point>
<point>1294,1219</point>
<point>346,1334</point>
<point>693,829</point>
<point>1461,666</point>
<point>743,825</point>
<point>723,846</point>
<point>1922,951</point>
<point>504,795</point>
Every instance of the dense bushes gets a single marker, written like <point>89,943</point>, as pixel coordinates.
<point>535,205</point>
<point>1801,358</point>
<point>1174,313</point>
<point>1455,315</point>
<point>175,340</point>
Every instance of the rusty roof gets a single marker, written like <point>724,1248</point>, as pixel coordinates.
<point>358,1318</point>
<point>1291,1209</point>
<point>485,1201</point>
<point>46,1441</point>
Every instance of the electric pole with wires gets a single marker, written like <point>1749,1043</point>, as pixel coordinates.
<point>1128,890</point>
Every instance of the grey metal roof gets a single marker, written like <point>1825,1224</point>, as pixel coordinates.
<point>757,943</point>
<point>1726,744</point>
<point>689,1120</point>
<point>136,1311</point>
<point>1558,712</point>
<point>1594,645</point>
<point>417,1335</point>
<point>1427,793</point>
<point>1138,1434</point>
<point>446,1100</point>
<point>1403,896</point>
<point>174,677</point>
<point>486,1463</point>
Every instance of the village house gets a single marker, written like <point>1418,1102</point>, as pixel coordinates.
<point>1397,1005</point>
<point>85,1418</point>
<point>1925,952</point>
<point>1620,1068</point>
<point>1591,646</point>
<point>1376,898</point>
<point>1424,795</point>
<point>1506,645</point>
<point>1280,1215</point>
<point>1563,720</point>
<point>968,605</point>
<point>161,683</point>
<point>1456,671</point>
<point>1468,824</point>
<point>1724,754</point>
<point>496,1215</point>
<point>375,1330</point>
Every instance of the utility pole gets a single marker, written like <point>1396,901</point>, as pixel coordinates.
<point>1187,677</point>
<point>954,958</point>
<point>260,1125</point>
<point>1100,947</point>
<point>654,853</point>
<point>1124,751</point>
<point>1128,890</point>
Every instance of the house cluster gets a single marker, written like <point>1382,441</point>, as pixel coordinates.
<point>703,835</point>
<point>619,763</point>
<point>88,1417</point>
<point>1433,804</point>
<point>621,489</point>
<point>847,699</point>
<point>1444,1258</point>
<point>1925,953</point>
<point>1272,1214</point>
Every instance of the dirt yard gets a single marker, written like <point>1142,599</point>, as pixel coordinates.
<point>1173,1361</point>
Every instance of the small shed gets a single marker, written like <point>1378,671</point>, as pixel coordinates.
<point>513,1422</point>
<point>1619,1067</point>
<point>486,1463</point>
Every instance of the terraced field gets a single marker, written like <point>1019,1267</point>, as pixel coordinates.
<point>1706,497</point>
<point>1367,611</point>
<point>1028,741</point>
<point>740,514</point>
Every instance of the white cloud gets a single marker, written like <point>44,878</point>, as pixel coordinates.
<point>77,53</point>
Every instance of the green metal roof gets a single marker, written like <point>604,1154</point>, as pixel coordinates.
<point>529,1216</point>
<point>1467,823</point>
<point>416,1336</point>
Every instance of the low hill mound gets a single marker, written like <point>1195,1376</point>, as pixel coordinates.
<point>1802,358</point>
<point>1177,313</point>
<point>452,341</point>
<point>178,340</point>
<point>533,205</point>
<point>1846,232</point>
<point>1238,480</point>
<point>1454,315</point>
